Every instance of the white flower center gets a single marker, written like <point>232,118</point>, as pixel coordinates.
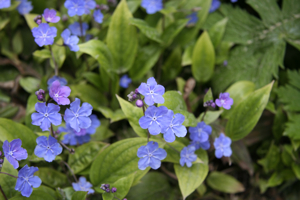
<point>10,153</point>
<point>46,115</point>
<point>222,101</point>
<point>171,125</point>
<point>151,92</point>
<point>44,35</point>
<point>56,95</point>
<point>76,115</point>
<point>150,155</point>
<point>154,118</point>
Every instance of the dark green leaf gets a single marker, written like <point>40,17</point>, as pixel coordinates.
<point>147,30</point>
<point>36,195</point>
<point>172,66</point>
<point>224,183</point>
<point>79,195</point>
<point>51,177</point>
<point>8,182</point>
<point>271,160</point>
<point>172,31</point>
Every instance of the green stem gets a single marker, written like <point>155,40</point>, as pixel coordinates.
<point>55,64</point>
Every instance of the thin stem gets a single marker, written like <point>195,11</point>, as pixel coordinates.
<point>55,64</point>
<point>9,174</point>
<point>116,198</point>
<point>62,144</point>
<point>3,194</point>
<point>70,171</point>
<point>172,175</point>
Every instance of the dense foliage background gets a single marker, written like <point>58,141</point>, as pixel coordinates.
<point>249,49</point>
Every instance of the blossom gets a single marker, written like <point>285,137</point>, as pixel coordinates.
<point>24,7</point>
<point>222,146</point>
<point>155,119</point>
<point>4,4</point>
<point>152,6</point>
<point>83,185</point>
<point>50,16</point>
<point>47,148</point>
<point>95,124</point>
<point>125,81</point>
<point>233,1</point>
<point>224,101</point>
<point>60,93</point>
<point>152,92</point>
<point>75,7</point>
<point>151,156</point>
<point>40,94</point>
<point>26,180</point>
<point>193,18</point>
<point>187,156</point>
<point>72,137</point>
<point>78,117</point>
<point>200,133</point>
<point>46,115</point>
<point>76,28</point>
<point>175,127</point>
<point>70,41</point>
<point>44,34</point>
<point>14,152</point>
<point>215,4</point>
<point>204,145</point>
<point>61,80</point>
<point>98,16</point>
<point>89,5</point>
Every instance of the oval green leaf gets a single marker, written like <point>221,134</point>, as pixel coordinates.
<point>8,182</point>
<point>224,183</point>
<point>51,177</point>
<point>36,195</point>
<point>174,101</point>
<point>217,31</point>
<point>79,195</point>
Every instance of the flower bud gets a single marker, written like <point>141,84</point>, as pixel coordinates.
<point>103,187</point>
<point>107,185</point>
<point>1,161</point>
<point>130,96</point>
<point>136,91</point>
<point>38,19</point>
<point>112,2</point>
<point>124,199</point>
<point>103,7</point>
<point>139,103</point>
<point>40,94</point>
<point>113,189</point>
<point>38,22</point>
<point>107,190</point>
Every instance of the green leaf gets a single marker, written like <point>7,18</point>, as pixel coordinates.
<point>59,54</point>
<point>271,160</point>
<point>208,96</point>
<point>66,192</point>
<point>8,182</point>
<point>172,31</point>
<point>241,156</point>
<point>180,84</point>
<point>17,43</point>
<point>94,78</point>
<point>122,38</point>
<point>203,58</point>
<point>11,130</point>
<point>296,170</point>
<point>79,195</point>
<point>187,56</point>
<point>84,155</point>
<point>210,116</point>
<point>30,84</point>
<point>133,114</point>
<point>133,5</point>
<point>224,183</point>
<point>293,127</point>
<point>47,190</point>
<point>172,65</point>
<point>191,178</point>
<point>173,101</point>
<point>102,132</point>
<point>123,186</point>
<point>189,120</point>
<point>8,111</point>
<point>52,177</point>
<point>216,32</point>
<point>30,20</point>
<point>147,30</point>
<point>43,54</point>
<point>279,125</point>
<point>173,156</point>
<point>246,115</point>
<point>278,177</point>
<point>36,195</point>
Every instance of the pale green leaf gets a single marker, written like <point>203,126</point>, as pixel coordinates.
<point>224,183</point>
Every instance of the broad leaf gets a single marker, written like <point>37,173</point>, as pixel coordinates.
<point>36,195</point>
<point>216,32</point>
<point>147,30</point>
<point>51,177</point>
<point>123,186</point>
<point>224,183</point>
<point>8,182</point>
<point>79,195</point>
<point>173,101</point>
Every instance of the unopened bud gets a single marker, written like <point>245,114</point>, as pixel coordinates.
<point>38,19</point>
<point>38,22</point>
<point>210,103</point>
<point>124,199</point>
<point>131,96</point>
<point>107,185</point>
<point>40,94</point>
<point>103,7</point>
<point>139,103</point>
<point>1,161</point>
<point>136,91</point>
<point>107,190</point>
<point>113,190</point>
<point>112,2</point>
<point>64,18</point>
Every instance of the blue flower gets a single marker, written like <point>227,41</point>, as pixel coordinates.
<point>44,34</point>
<point>152,6</point>
<point>50,16</point>
<point>224,101</point>
<point>125,81</point>
<point>151,156</point>
<point>76,29</point>
<point>155,119</point>
<point>98,16</point>
<point>89,5</point>
<point>60,93</point>
<point>72,137</point>
<point>204,145</point>
<point>215,4</point>
<point>233,1</point>
<point>152,92</point>
<point>47,148</point>
<point>26,180</point>
<point>75,7</point>
<point>88,37</point>
<point>222,146</point>
<point>24,7</point>
<point>175,127</point>
<point>70,41</point>
<point>78,117</point>
<point>193,18</point>
<point>61,80</point>
<point>200,133</point>
<point>83,185</point>
<point>47,115</point>
<point>4,4</point>
<point>14,152</point>
<point>187,156</point>
<point>95,124</point>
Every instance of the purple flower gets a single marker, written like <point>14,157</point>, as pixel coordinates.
<point>40,94</point>
<point>76,29</point>
<point>175,127</point>
<point>200,133</point>
<point>47,115</point>
<point>193,18</point>
<point>152,6</point>
<point>155,119</point>
<point>60,93</point>
<point>209,103</point>
<point>89,5</point>
<point>204,145</point>
<point>50,16</point>
<point>4,4</point>
<point>72,137</point>
<point>44,34</point>
<point>47,148</point>
<point>151,156</point>
<point>187,156</point>
<point>70,41</point>
<point>125,81</point>
<point>61,80</point>
<point>152,92</point>
<point>14,152</point>
<point>224,101</point>
<point>215,4</point>
<point>78,117</point>
<point>24,7</point>
<point>98,16</point>
<point>75,7</point>
<point>83,185</point>
<point>95,124</point>
<point>26,180</point>
<point>222,146</point>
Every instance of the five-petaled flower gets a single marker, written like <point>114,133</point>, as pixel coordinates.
<point>155,119</point>
<point>4,4</point>
<point>26,180</point>
<point>24,7</point>
<point>151,156</point>
<point>83,185</point>
<point>61,80</point>
<point>175,127</point>
<point>215,4</point>
<point>224,101</point>
<point>200,133</point>
<point>193,18</point>
<point>89,5</point>
<point>152,6</point>
<point>125,81</point>
<point>13,152</point>
<point>98,16</point>
<point>75,7</point>
<point>152,92</point>
<point>76,28</point>
<point>47,115</point>
<point>50,16</point>
<point>187,156</point>
<point>222,146</point>
<point>60,93</point>
<point>47,148</point>
<point>44,34</point>
<point>78,117</point>
<point>70,40</point>
<point>73,137</point>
